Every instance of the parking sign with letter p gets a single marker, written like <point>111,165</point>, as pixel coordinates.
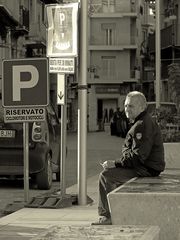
<point>25,83</point>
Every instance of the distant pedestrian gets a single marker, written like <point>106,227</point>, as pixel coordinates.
<point>142,154</point>
<point>122,125</point>
<point>117,114</point>
<point>105,116</point>
<point>115,118</point>
<point>111,114</point>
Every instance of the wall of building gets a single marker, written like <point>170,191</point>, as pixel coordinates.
<point>121,31</point>
<point>119,71</point>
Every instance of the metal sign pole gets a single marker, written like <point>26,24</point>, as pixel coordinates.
<point>26,160</point>
<point>61,77</point>
<point>82,108</point>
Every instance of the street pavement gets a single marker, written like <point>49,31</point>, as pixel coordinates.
<point>39,223</point>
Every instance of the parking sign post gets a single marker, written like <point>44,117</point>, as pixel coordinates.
<point>22,81</point>
<point>26,160</point>
<point>62,36</point>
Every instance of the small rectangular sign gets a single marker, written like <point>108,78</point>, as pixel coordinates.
<point>61,90</point>
<point>24,114</point>
<point>61,65</point>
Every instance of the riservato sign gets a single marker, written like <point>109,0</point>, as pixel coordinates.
<point>24,114</point>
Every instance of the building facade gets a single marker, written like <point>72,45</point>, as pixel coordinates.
<point>114,64</point>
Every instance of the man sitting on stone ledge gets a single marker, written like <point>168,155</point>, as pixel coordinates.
<point>142,154</point>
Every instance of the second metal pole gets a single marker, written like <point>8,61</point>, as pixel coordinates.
<point>82,106</point>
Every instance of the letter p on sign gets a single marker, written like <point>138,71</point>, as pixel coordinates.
<point>25,83</point>
<point>19,84</point>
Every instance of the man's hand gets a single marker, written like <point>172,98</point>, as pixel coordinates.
<point>108,164</point>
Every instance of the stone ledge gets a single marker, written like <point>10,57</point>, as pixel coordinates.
<point>148,201</point>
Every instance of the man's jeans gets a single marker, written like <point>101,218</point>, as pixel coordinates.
<point>109,179</point>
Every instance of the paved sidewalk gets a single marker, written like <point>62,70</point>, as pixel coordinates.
<point>29,223</point>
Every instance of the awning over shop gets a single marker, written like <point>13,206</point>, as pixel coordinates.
<point>35,44</point>
<point>51,1</point>
<point>6,18</point>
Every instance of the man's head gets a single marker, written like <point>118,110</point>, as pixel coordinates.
<point>135,103</point>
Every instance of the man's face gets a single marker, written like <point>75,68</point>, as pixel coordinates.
<point>132,108</point>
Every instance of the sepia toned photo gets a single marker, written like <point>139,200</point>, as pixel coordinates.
<point>90,119</point>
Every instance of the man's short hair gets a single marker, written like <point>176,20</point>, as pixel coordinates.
<point>139,96</point>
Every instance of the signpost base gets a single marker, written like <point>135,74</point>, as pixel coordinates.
<point>51,201</point>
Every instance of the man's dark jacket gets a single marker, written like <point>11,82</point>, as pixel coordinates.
<point>143,146</point>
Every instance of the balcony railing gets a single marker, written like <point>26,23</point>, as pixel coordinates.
<point>168,38</point>
<point>96,7</point>
<point>149,76</point>
<point>98,74</point>
<point>95,41</point>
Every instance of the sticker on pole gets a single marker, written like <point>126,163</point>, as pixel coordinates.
<point>62,32</point>
<point>24,114</point>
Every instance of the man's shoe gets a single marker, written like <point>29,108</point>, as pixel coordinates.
<point>103,221</point>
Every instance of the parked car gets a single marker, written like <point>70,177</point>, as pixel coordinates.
<point>44,149</point>
<point>167,111</point>
<point>166,107</point>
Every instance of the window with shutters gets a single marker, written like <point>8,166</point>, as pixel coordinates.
<point>108,30</point>
<point>108,66</point>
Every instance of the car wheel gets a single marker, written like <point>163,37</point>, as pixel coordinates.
<point>44,178</point>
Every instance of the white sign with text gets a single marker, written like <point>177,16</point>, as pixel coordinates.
<point>61,65</point>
